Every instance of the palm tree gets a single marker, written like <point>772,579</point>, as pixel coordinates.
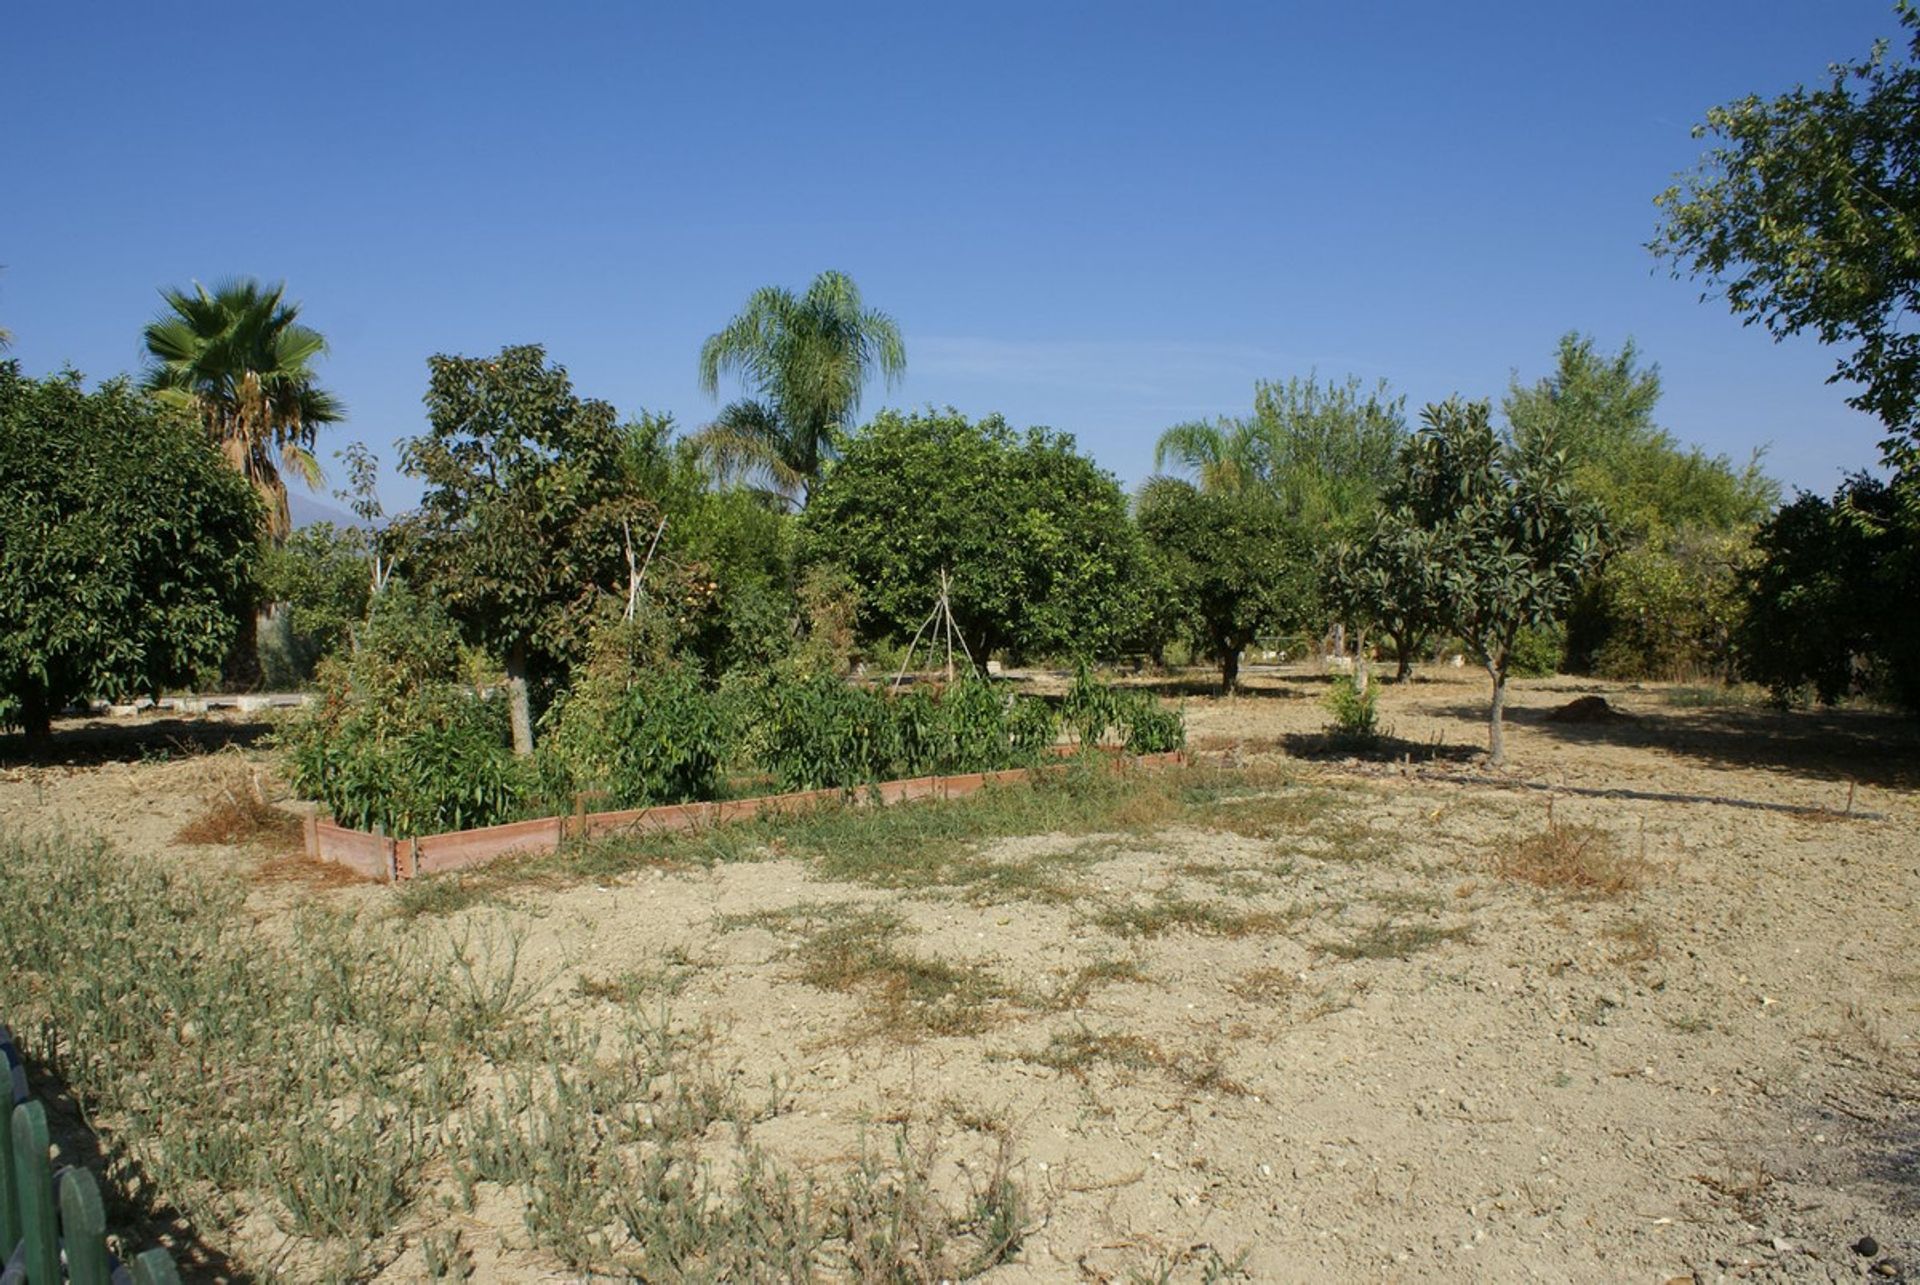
<point>239,360</point>
<point>805,359</point>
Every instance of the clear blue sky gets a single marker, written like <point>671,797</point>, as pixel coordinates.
<point>1106,218</point>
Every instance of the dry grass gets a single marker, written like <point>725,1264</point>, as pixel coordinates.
<point>1077,1052</point>
<point>1079,986</point>
<point>1582,859</point>
<point>1169,913</point>
<point>854,950</point>
<point>1395,941</point>
<point>236,811</point>
<point>1265,985</point>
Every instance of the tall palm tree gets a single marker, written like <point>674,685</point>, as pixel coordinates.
<point>804,359</point>
<point>239,359</point>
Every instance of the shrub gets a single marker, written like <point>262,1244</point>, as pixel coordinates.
<point>1538,651</point>
<point>1355,710</point>
<point>1148,726</point>
<point>395,742</point>
<point>822,731</point>
<point>654,735</point>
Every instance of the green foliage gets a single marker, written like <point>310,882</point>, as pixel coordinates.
<point>823,732</point>
<point>239,360</point>
<point>1511,537</point>
<point>643,735</point>
<point>1598,412</point>
<point>396,742</point>
<point>1237,566</point>
<point>805,358</point>
<point>1667,609</point>
<point>1538,651</point>
<point>1322,453</point>
<point>1807,217</point>
<point>527,511</point>
<point>1042,558</point>
<point>1388,580</point>
<point>1355,710</point>
<point>1833,606</point>
<point>319,579</point>
<point>126,547</point>
<point>1135,720</point>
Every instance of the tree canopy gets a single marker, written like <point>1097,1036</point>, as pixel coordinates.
<point>1806,217</point>
<point>126,546</point>
<point>1322,452</point>
<point>1237,566</point>
<point>240,360</point>
<point>1033,535</point>
<point>1598,410</point>
<point>527,514</point>
<point>1511,537</point>
<point>805,360</point>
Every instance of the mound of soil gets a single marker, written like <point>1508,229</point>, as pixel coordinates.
<point>1588,709</point>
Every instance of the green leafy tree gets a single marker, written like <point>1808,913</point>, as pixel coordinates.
<point>1388,580</point>
<point>126,547</point>
<point>1035,537</point>
<point>1806,217</point>
<point>1671,607</point>
<point>804,359</point>
<point>1512,538</point>
<point>1667,509</point>
<point>320,581</point>
<point>1833,604</point>
<point>1598,410</point>
<point>1236,564</point>
<point>1322,452</point>
<point>239,359</point>
<point>527,516</point>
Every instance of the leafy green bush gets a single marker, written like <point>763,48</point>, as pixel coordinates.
<point>1537,651</point>
<point>395,742</point>
<point>822,731</point>
<point>1356,715</point>
<point>655,735</point>
<point>1136,719</point>
<point>970,727</point>
<point>1149,727</point>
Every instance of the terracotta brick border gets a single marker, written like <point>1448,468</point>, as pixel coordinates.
<point>378,856</point>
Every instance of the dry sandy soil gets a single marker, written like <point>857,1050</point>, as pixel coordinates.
<point>1314,1032</point>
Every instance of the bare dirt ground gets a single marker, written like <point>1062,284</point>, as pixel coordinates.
<point>1320,1027</point>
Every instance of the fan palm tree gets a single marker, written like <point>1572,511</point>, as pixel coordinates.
<point>239,360</point>
<point>805,359</point>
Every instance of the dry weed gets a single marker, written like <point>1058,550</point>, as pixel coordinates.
<point>236,809</point>
<point>1581,859</point>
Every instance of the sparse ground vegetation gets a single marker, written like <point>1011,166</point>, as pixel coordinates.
<point>1234,1005</point>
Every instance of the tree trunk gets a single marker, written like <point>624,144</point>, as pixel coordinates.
<point>36,717</point>
<point>240,672</point>
<point>1362,671</point>
<point>1496,745</point>
<point>1229,670</point>
<point>518,702</point>
<point>1403,652</point>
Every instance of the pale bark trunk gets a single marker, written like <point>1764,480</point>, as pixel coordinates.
<point>519,703</point>
<point>1496,744</point>
<point>1361,670</point>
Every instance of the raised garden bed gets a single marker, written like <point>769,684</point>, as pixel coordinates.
<point>394,860</point>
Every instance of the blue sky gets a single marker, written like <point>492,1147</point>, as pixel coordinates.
<point>1106,218</point>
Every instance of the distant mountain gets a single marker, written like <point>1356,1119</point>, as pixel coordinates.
<point>307,508</point>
